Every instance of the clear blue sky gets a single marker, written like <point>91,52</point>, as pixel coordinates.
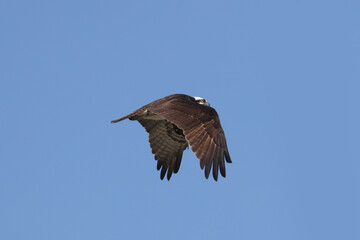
<point>284,77</point>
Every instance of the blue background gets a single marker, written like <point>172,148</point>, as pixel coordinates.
<point>284,77</point>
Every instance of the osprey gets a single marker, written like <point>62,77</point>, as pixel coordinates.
<point>177,121</point>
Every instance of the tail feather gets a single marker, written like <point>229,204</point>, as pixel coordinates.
<point>120,119</point>
<point>131,116</point>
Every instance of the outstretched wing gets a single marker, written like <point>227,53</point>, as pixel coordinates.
<point>166,143</point>
<point>201,127</point>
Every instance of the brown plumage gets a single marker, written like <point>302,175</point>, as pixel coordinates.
<point>179,120</point>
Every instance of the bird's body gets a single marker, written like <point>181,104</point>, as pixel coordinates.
<point>177,121</point>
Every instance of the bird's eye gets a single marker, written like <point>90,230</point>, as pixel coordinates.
<point>202,100</point>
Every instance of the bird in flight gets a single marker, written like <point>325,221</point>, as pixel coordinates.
<point>177,121</point>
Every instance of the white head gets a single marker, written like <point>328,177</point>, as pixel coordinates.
<point>202,101</point>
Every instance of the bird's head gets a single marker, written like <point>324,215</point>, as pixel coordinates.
<point>202,101</point>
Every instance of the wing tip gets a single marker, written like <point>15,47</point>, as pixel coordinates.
<point>215,177</point>
<point>227,157</point>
